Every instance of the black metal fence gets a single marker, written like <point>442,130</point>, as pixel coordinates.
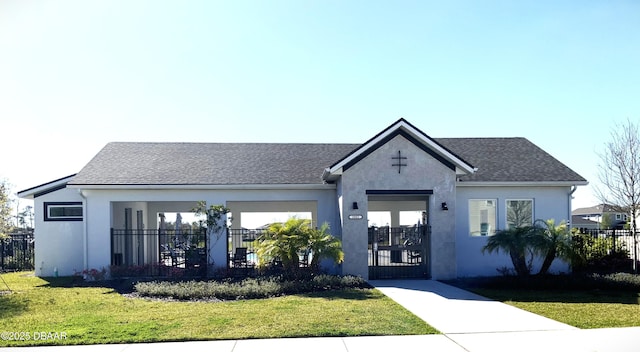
<point>604,250</point>
<point>241,247</point>
<point>399,252</point>
<point>17,251</point>
<point>169,253</point>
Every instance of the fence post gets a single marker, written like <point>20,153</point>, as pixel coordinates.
<point>613,235</point>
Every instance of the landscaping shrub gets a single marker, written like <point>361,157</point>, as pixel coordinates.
<point>616,282</point>
<point>250,288</point>
<point>599,254</point>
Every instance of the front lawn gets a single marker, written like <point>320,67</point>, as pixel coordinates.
<point>582,301</point>
<point>91,315</point>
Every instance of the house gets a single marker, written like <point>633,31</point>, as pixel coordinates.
<point>583,224</point>
<point>439,199</point>
<point>599,214</point>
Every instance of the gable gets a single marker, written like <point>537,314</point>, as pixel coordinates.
<point>410,133</point>
<point>399,164</point>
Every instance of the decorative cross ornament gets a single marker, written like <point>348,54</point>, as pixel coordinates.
<point>399,162</point>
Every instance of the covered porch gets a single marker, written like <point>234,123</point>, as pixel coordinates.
<point>166,239</point>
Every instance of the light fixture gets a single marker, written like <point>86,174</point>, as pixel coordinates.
<point>444,206</point>
<point>354,206</point>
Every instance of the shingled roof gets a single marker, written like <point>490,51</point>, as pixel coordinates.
<point>209,163</point>
<point>125,163</point>
<point>509,160</point>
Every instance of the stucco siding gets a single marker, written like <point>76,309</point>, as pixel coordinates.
<point>58,244</point>
<point>375,172</point>
<point>549,203</point>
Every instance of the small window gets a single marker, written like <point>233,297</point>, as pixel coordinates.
<point>63,211</point>
<point>482,217</point>
<point>618,216</point>
<point>519,212</point>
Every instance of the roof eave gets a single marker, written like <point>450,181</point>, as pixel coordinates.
<point>310,186</point>
<point>44,188</point>
<point>520,183</point>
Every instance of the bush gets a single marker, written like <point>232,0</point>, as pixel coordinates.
<point>250,288</point>
<point>599,254</point>
<point>616,282</point>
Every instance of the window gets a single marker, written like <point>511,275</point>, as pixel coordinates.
<point>618,216</point>
<point>519,212</point>
<point>63,211</point>
<point>482,217</point>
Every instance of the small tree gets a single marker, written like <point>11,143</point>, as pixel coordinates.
<point>619,173</point>
<point>323,245</point>
<point>283,242</point>
<point>6,225</point>
<point>606,222</point>
<point>552,241</point>
<point>286,241</point>
<point>518,242</point>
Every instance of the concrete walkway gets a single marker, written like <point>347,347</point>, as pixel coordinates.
<point>469,323</point>
<point>455,311</point>
<point>477,324</point>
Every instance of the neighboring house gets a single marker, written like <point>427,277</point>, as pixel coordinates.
<point>582,224</point>
<point>441,198</point>
<point>598,214</point>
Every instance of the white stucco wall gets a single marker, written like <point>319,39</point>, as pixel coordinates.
<point>375,172</point>
<point>58,244</point>
<point>548,202</point>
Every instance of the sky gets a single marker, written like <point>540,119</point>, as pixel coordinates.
<point>75,75</point>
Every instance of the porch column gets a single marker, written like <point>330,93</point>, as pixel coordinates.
<point>217,253</point>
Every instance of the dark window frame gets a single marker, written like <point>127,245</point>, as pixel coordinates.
<point>48,205</point>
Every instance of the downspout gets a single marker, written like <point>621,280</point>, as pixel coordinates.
<point>570,195</point>
<point>85,220</point>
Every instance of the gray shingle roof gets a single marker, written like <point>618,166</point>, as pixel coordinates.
<point>210,163</point>
<point>497,160</point>
<point>509,160</point>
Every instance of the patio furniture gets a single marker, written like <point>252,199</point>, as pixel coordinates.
<point>240,258</point>
<point>303,259</point>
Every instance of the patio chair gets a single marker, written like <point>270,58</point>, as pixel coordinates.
<point>240,258</point>
<point>303,259</point>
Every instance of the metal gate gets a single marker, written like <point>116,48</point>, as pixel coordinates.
<point>399,252</point>
<point>17,251</point>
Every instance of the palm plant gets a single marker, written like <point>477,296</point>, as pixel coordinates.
<point>285,242</point>
<point>554,241</point>
<point>323,245</point>
<point>517,242</point>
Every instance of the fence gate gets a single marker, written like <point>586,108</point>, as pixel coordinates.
<point>17,251</point>
<point>399,252</point>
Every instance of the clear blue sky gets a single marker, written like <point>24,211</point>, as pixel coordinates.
<point>75,75</point>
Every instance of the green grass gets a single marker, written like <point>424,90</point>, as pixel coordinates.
<point>582,309</point>
<point>577,302</point>
<point>90,315</point>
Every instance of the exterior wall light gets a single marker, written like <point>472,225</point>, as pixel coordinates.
<point>444,206</point>
<point>354,206</point>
